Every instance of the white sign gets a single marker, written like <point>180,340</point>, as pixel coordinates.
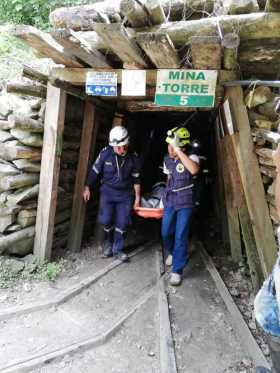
<point>101,83</point>
<point>190,88</point>
<point>133,83</point>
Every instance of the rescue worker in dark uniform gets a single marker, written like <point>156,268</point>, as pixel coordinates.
<point>119,171</point>
<point>178,200</point>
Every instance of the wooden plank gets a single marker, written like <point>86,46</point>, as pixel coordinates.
<point>117,38</point>
<point>252,181</point>
<point>46,45</point>
<point>88,141</point>
<point>158,45</point>
<point>218,191</point>
<point>50,166</point>
<point>231,203</point>
<point>32,74</point>
<point>72,42</point>
<point>137,106</point>
<point>246,230</point>
<point>206,52</point>
<point>77,76</point>
<point>250,247</point>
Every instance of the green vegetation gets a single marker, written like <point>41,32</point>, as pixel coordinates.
<point>32,12</point>
<point>11,274</point>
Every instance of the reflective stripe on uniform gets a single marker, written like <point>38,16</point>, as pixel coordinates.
<point>95,169</point>
<point>183,188</point>
<point>119,230</point>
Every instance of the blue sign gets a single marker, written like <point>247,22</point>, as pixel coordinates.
<point>101,83</point>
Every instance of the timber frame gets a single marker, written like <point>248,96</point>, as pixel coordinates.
<point>128,35</point>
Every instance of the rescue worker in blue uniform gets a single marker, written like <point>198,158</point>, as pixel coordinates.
<point>178,200</point>
<point>119,171</point>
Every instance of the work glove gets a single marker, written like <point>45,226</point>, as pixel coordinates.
<point>175,142</point>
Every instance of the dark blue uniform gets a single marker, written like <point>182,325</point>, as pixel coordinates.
<point>118,176</point>
<point>178,204</point>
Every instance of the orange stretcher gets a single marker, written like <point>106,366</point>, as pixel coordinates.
<point>146,212</point>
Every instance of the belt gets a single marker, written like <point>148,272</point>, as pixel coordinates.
<point>183,188</point>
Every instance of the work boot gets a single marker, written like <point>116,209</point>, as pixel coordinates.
<point>175,279</point>
<point>107,250</point>
<point>123,257</point>
<point>262,370</point>
<point>168,261</point>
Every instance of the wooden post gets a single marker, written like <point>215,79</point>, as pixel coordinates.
<point>231,203</point>
<point>54,125</point>
<point>88,140</point>
<point>252,181</point>
<point>206,52</point>
<point>220,203</point>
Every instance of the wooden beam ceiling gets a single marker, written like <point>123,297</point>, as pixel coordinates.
<point>160,49</point>
<point>74,43</point>
<point>46,45</point>
<point>118,39</point>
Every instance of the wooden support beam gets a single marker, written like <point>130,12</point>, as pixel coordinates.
<point>50,166</point>
<point>119,40</point>
<point>78,76</point>
<point>156,11</point>
<point>160,49</point>
<point>93,40</point>
<point>252,181</point>
<point>219,191</point>
<point>137,106</point>
<point>243,218</point>
<point>27,89</point>
<point>30,73</point>
<point>250,27</point>
<point>232,202</point>
<point>46,45</point>
<point>250,247</point>
<point>206,52</point>
<point>135,12</point>
<point>77,92</point>
<point>230,45</point>
<point>88,141</point>
<point>78,47</point>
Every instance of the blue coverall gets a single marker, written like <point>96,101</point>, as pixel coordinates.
<point>178,205</point>
<point>118,175</point>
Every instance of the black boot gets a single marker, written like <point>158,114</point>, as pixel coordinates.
<point>107,241</point>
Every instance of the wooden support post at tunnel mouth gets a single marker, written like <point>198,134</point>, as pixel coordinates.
<point>88,141</point>
<point>54,125</point>
<point>251,181</point>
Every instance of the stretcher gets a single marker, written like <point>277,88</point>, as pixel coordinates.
<point>146,212</point>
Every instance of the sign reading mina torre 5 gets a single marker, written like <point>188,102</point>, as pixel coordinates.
<point>192,88</point>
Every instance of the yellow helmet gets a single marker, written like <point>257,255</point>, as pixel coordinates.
<point>182,133</point>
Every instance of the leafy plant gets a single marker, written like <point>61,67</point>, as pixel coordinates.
<point>32,12</point>
<point>50,271</point>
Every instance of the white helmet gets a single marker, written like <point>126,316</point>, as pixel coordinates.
<point>118,136</point>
